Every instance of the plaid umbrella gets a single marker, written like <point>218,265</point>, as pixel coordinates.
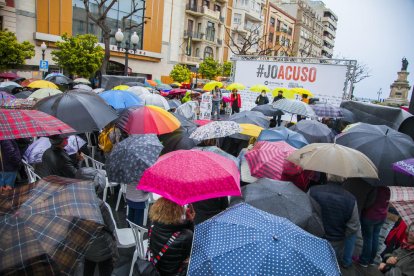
<point>45,227</point>
<point>18,123</point>
<point>216,129</point>
<point>404,166</point>
<point>402,198</point>
<point>294,107</point>
<point>327,110</point>
<point>6,96</point>
<point>131,157</point>
<point>267,159</point>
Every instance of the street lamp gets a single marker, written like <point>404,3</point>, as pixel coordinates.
<point>379,94</point>
<point>43,46</point>
<point>197,66</point>
<point>119,37</point>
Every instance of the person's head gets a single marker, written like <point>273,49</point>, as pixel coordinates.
<point>234,91</point>
<point>263,93</point>
<point>410,233</point>
<point>216,88</point>
<point>304,96</point>
<point>335,178</point>
<point>58,141</point>
<point>167,212</point>
<point>280,93</point>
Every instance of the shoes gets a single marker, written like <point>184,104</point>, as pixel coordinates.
<point>363,265</point>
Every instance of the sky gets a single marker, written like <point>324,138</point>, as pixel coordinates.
<point>378,33</point>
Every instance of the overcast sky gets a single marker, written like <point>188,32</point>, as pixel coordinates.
<point>378,33</point>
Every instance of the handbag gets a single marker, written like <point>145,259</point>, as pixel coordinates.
<point>147,267</point>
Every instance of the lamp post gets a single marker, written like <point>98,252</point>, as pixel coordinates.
<point>43,46</point>
<point>119,37</point>
<point>197,66</point>
<point>379,94</point>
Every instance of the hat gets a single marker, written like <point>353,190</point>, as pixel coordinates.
<point>56,139</point>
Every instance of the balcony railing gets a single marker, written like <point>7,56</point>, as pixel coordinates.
<point>211,13</point>
<point>194,35</point>
<point>193,8</point>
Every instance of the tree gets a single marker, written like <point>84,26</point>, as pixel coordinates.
<point>79,55</point>
<point>209,68</point>
<point>180,73</point>
<point>13,53</point>
<point>226,68</point>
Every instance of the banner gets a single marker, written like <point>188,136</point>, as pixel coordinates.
<point>325,81</point>
<point>206,106</point>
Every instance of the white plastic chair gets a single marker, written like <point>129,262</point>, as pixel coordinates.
<point>140,243</point>
<point>90,146</point>
<point>33,177</point>
<point>124,236</point>
<point>122,192</point>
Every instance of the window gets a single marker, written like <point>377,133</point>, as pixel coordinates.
<point>210,31</point>
<point>277,39</point>
<point>278,26</point>
<point>208,52</point>
<point>237,18</point>
<point>197,52</point>
<point>1,22</point>
<point>289,31</point>
<point>272,22</point>
<point>206,3</point>
<point>217,8</point>
<point>287,42</point>
<point>271,37</point>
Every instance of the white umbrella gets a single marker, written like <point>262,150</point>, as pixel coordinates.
<point>98,90</point>
<point>83,87</point>
<point>139,91</point>
<point>82,80</point>
<point>157,100</point>
<point>187,110</point>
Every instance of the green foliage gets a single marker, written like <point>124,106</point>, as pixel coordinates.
<point>13,53</point>
<point>180,73</point>
<point>79,55</point>
<point>226,69</point>
<point>209,68</point>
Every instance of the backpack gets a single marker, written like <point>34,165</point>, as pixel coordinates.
<point>105,143</point>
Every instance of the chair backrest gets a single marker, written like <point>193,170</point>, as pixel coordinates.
<point>112,215</point>
<point>30,172</point>
<point>89,161</point>
<point>139,238</point>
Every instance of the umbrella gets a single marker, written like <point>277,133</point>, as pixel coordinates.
<point>44,92</point>
<point>47,226</point>
<point>175,85</point>
<point>220,152</point>
<point>4,96</point>
<point>158,81</point>
<point>404,166</point>
<point>121,99</point>
<point>250,117</point>
<point>83,87</point>
<point>188,110</point>
<point>314,131</point>
<point>266,159</point>
<point>347,115</point>
<point>42,84</point>
<point>251,130</point>
<point>185,176</point>
<point>84,111</point>
<point>268,110</point>
<point>139,91</point>
<point>148,119</point>
<point>82,81</point>
<point>121,87</point>
<point>245,240</point>
<point>294,107</point>
<point>177,140</point>
<point>402,198</point>
<point>163,87</point>
<point>18,79</point>
<point>348,127</point>
<point>9,75</point>
<point>26,82</point>
<point>134,83</point>
<point>216,129</point>
<point>326,110</point>
<point>59,80</point>
<point>19,123</point>
<point>211,85</point>
<point>384,146</point>
<point>245,173</point>
<point>177,91</point>
<point>11,89</point>
<point>54,74</point>
<point>292,203</point>
<point>98,90</point>
<point>283,134</point>
<point>151,82</point>
<point>286,93</point>
<point>174,103</point>
<point>259,88</point>
<point>202,122</point>
<point>9,83</point>
<point>188,125</point>
<point>302,91</point>
<point>334,159</point>
<point>131,157</point>
<point>235,85</point>
<point>157,100</point>
<point>23,94</point>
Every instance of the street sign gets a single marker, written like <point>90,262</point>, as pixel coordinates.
<point>44,65</point>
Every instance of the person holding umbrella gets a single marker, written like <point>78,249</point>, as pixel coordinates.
<point>275,99</point>
<point>217,97</point>
<point>10,159</point>
<point>262,98</point>
<point>235,100</point>
<point>306,101</point>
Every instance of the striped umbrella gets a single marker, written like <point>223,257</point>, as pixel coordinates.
<point>267,159</point>
<point>294,107</point>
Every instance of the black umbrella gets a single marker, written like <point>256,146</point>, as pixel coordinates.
<point>84,111</point>
<point>135,83</point>
<point>23,94</point>
<point>174,103</point>
<point>59,80</point>
<point>268,110</point>
<point>18,80</point>
<point>190,126</point>
<point>176,140</point>
<point>283,199</point>
<point>314,131</point>
<point>250,117</point>
<point>347,116</point>
<point>383,146</point>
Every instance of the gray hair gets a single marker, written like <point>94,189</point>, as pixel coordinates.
<point>335,178</point>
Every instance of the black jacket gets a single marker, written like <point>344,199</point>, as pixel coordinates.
<point>260,100</point>
<point>10,155</point>
<point>206,209</point>
<point>179,250</point>
<point>275,99</point>
<point>57,162</point>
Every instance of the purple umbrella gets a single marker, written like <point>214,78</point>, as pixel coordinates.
<point>6,96</point>
<point>404,166</point>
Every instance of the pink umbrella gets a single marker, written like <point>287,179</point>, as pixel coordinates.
<point>267,159</point>
<point>202,122</point>
<point>186,176</point>
<point>177,91</point>
<point>226,99</point>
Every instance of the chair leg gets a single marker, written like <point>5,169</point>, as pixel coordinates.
<point>105,192</point>
<point>144,223</point>
<point>119,197</point>
<point>134,259</point>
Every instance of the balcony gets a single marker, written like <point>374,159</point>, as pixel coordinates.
<point>219,41</point>
<point>211,13</point>
<point>190,59</point>
<point>194,35</point>
<point>221,1</point>
<point>254,16</point>
<point>240,28</point>
<point>194,10</point>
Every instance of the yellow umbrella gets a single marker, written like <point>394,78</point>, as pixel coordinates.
<point>286,93</point>
<point>251,130</point>
<point>121,87</point>
<point>302,91</point>
<point>259,88</point>
<point>176,83</point>
<point>42,84</point>
<point>212,84</point>
<point>235,85</point>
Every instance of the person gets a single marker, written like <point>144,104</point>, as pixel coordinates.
<point>217,97</point>
<point>208,208</point>
<point>235,100</point>
<point>372,219</point>
<point>137,201</point>
<point>275,99</point>
<point>339,216</point>
<point>10,159</point>
<point>262,98</point>
<point>401,260</point>
<point>167,222</point>
<point>55,159</point>
<point>304,99</point>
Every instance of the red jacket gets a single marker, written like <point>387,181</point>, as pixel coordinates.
<point>232,99</point>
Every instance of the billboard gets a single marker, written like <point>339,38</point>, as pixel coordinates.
<point>325,81</point>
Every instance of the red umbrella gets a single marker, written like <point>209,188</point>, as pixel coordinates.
<point>15,123</point>
<point>177,91</point>
<point>9,75</point>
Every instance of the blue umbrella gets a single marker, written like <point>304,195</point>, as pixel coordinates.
<point>121,99</point>
<point>283,134</point>
<point>245,240</point>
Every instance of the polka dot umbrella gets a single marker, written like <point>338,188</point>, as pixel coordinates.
<point>244,240</point>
